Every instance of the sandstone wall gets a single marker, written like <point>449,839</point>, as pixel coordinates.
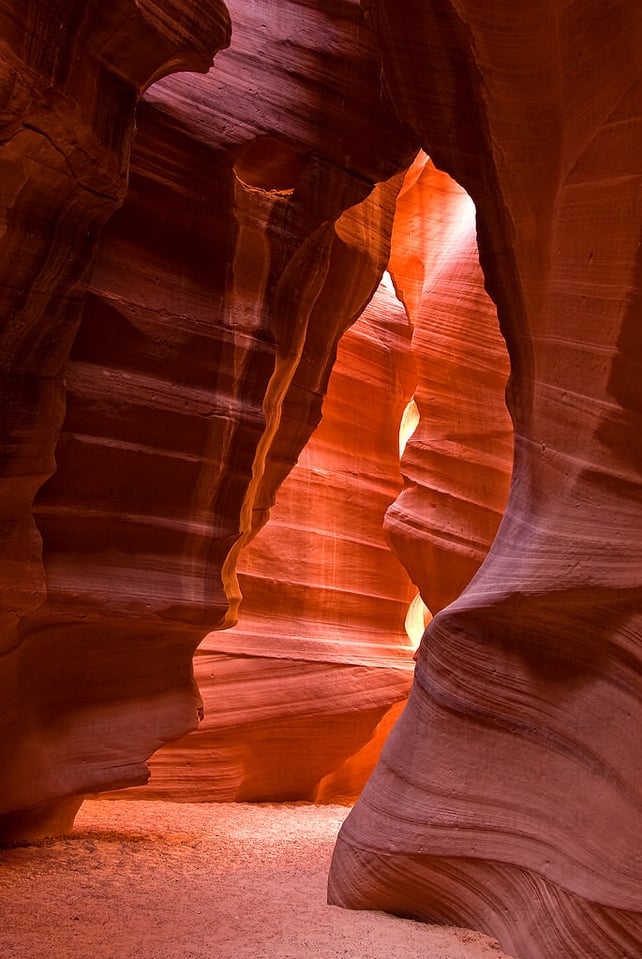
<point>300,695</point>
<point>508,796</point>
<point>162,376</point>
<point>189,365</point>
<point>71,76</point>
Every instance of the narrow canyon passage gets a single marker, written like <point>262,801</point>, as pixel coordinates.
<point>239,243</point>
<point>369,530</point>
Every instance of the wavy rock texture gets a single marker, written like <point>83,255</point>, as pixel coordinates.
<point>250,239</point>
<point>300,694</point>
<point>71,76</point>
<point>322,594</point>
<point>508,795</point>
<point>457,462</point>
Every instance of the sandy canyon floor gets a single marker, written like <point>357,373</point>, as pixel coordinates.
<point>143,880</point>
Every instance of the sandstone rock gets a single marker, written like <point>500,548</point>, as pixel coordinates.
<point>457,462</point>
<point>508,795</point>
<point>173,400</point>
<point>319,587</point>
<point>299,695</point>
<point>71,76</point>
<point>250,239</point>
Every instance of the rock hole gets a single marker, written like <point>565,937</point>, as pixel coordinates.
<point>270,165</point>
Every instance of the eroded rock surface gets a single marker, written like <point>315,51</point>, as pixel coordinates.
<point>71,76</point>
<point>157,393</point>
<point>508,795</point>
<point>255,230</point>
<point>457,461</point>
<point>322,594</point>
<point>299,696</point>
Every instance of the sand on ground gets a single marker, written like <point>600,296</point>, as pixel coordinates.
<point>153,880</point>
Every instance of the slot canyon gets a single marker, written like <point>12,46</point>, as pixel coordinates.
<point>321,448</point>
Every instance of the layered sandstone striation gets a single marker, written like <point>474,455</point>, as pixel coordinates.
<point>299,695</point>
<point>162,376</point>
<point>255,230</point>
<point>508,795</point>
<point>319,660</point>
<point>457,462</point>
<point>71,77</point>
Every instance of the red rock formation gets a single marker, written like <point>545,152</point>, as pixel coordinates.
<point>319,586</point>
<point>250,239</point>
<point>316,668</point>
<point>71,75</point>
<point>508,795</point>
<point>457,462</point>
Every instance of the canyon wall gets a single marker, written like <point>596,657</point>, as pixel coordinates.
<point>320,660</point>
<point>457,462</point>
<point>71,77</point>
<point>299,694</point>
<point>191,369</point>
<point>508,795</point>
<point>172,305</point>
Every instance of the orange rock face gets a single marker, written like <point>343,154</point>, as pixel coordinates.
<point>457,462</point>
<point>324,653</point>
<point>508,795</point>
<point>320,661</point>
<point>251,237</point>
<point>172,306</point>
